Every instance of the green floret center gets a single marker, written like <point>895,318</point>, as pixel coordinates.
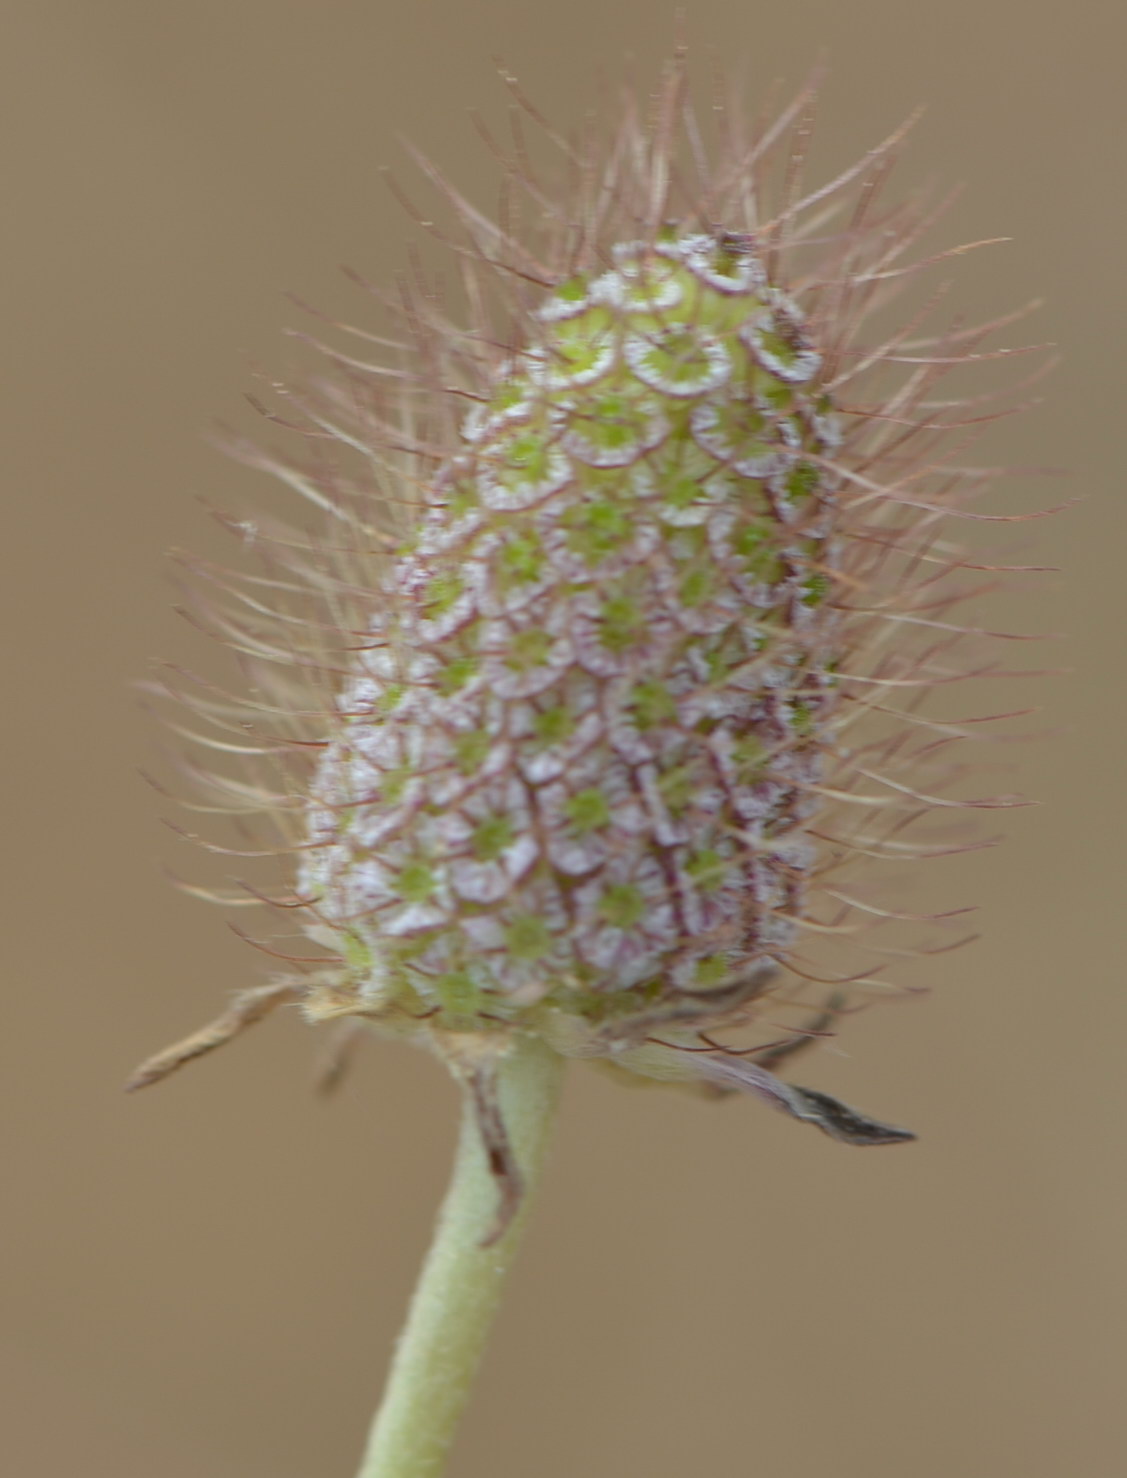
<point>528,649</point>
<point>357,954</point>
<point>711,971</point>
<point>706,868</point>
<point>749,756</point>
<point>525,450</point>
<point>683,491</point>
<point>777,395</point>
<point>394,782</point>
<point>785,353</point>
<point>587,810</point>
<point>507,395</point>
<point>553,725</point>
<point>459,993</point>
<point>415,882</point>
<point>521,559</point>
<point>442,591</point>
<point>471,749</point>
<point>390,698</point>
<point>802,480</point>
<point>695,587</point>
<point>580,355</point>
<point>491,837</point>
<point>727,259</point>
<point>676,358</point>
<point>572,291</point>
<point>751,542</point>
<point>622,905</point>
<point>802,719</point>
<point>612,422</point>
<point>528,938</point>
<point>653,704</point>
<point>815,588</point>
<point>456,674</point>
<point>597,529</point>
<point>526,460</point>
<point>462,498</point>
<point>741,427</point>
<point>677,786</point>
<point>620,623</point>
<point>749,539</point>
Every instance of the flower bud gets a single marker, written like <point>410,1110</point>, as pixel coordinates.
<point>612,698</point>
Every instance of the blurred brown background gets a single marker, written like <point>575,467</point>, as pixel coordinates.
<point>205,1282</point>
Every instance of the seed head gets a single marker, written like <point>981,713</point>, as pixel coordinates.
<point>616,647</point>
<point>571,775</point>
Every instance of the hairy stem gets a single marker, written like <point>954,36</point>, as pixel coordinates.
<point>459,1288</point>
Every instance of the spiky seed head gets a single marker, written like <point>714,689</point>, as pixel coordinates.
<point>572,773</point>
<point>627,581</point>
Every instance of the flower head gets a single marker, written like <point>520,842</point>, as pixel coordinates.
<point>614,652</point>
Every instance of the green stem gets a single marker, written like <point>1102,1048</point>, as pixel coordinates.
<point>460,1285</point>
